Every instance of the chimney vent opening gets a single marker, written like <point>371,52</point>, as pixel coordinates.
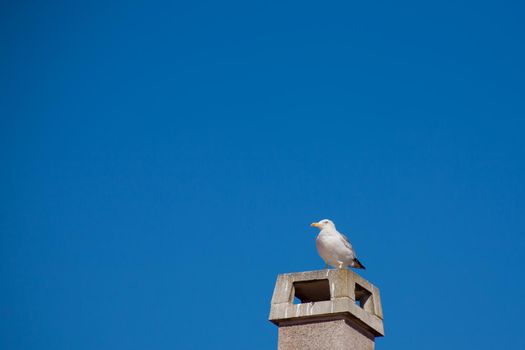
<point>311,291</point>
<point>363,298</point>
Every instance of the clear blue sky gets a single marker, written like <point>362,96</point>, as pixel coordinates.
<point>161,162</point>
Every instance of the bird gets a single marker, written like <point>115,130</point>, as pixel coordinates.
<point>334,247</point>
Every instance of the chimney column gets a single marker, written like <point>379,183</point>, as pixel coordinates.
<point>326,309</point>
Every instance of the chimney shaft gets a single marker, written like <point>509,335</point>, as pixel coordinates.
<point>326,309</point>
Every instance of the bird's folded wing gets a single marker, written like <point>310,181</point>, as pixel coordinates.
<point>346,242</point>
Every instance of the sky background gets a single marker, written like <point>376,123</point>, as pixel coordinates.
<point>161,163</point>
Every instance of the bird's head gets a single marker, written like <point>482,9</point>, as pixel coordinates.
<point>323,224</point>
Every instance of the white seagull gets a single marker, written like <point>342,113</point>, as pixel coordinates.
<point>334,247</point>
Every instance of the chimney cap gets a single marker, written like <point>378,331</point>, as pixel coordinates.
<point>327,295</point>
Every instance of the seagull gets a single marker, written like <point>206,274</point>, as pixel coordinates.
<point>334,247</point>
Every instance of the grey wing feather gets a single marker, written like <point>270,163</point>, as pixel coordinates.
<point>356,263</point>
<point>346,241</point>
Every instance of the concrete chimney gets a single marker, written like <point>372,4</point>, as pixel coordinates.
<point>326,309</point>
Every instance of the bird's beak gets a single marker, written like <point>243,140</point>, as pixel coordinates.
<point>315,224</point>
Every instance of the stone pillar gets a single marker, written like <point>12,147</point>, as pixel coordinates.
<point>326,309</point>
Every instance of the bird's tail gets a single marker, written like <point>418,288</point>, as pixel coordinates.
<point>357,264</point>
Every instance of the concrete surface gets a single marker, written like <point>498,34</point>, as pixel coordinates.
<point>323,335</point>
<point>333,309</point>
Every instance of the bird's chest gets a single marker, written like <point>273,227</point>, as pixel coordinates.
<point>327,242</point>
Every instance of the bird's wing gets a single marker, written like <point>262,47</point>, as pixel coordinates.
<point>346,242</point>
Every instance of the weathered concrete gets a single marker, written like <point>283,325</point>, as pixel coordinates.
<point>338,310</point>
<point>323,335</point>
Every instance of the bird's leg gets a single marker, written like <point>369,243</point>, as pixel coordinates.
<point>326,265</point>
<point>340,266</point>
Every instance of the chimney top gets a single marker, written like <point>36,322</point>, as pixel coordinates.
<point>327,295</point>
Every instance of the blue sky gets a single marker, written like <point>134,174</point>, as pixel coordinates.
<point>161,162</point>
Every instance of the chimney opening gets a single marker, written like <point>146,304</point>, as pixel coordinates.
<point>363,298</point>
<point>311,291</point>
